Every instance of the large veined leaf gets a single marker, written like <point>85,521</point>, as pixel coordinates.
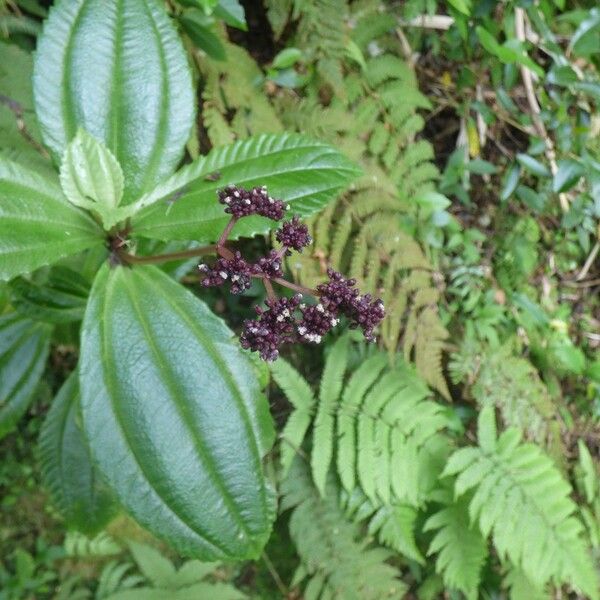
<point>37,224</point>
<point>67,468</point>
<point>174,415</point>
<point>117,69</point>
<point>23,351</point>
<point>305,173</point>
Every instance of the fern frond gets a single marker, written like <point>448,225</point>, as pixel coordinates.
<point>512,384</point>
<point>523,501</point>
<point>298,392</point>
<point>335,559</point>
<point>331,385</point>
<point>461,549</point>
<point>380,424</point>
<point>521,588</point>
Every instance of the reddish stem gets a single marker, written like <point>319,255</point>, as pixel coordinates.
<point>295,287</point>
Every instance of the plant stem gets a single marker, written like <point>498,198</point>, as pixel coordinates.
<point>296,287</point>
<point>275,575</point>
<point>160,258</point>
<point>226,232</point>
<point>269,287</point>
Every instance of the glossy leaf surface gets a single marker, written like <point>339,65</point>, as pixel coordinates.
<point>24,348</point>
<point>67,468</point>
<point>61,298</point>
<point>174,415</point>
<point>116,68</point>
<point>305,173</point>
<point>37,224</point>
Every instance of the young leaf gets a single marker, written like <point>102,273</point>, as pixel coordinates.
<point>37,225</point>
<point>174,415</point>
<point>24,348</point>
<point>305,173</point>
<point>67,468</point>
<point>117,69</point>
<point>91,177</point>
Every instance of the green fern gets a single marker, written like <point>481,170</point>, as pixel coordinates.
<point>381,415</point>
<point>394,525</point>
<point>189,581</point>
<point>521,588</point>
<point>461,549</point>
<point>232,108</point>
<point>376,122</point>
<point>523,501</point>
<point>78,545</point>
<point>336,561</point>
<point>496,377</point>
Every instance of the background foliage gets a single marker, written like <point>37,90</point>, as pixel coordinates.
<point>459,457</point>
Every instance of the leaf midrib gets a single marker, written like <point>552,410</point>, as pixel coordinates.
<point>109,379</point>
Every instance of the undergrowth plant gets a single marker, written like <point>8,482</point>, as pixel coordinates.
<point>167,167</point>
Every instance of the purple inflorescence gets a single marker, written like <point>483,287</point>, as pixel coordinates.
<point>269,266</point>
<point>286,320</point>
<point>272,328</point>
<point>240,202</point>
<point>235,270</point>
<point>293,234</point>
<point>316,322</point>
<point>367,314</point>
<point>338,294</point>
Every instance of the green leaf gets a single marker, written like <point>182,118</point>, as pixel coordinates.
<point>481,167</point>
<point>568,174</point>
<point>199,28</point>
<point>91,177</point>
<point>232,12</point>
<point>510,182</point>
<point>174,415</point>
<point>287,58</point>
<point>463,6</point>
<point>24,348</point>
<point>305,173</point>
<point>586,40</point>
<point>533,165</point>
<point>60,299</point>
<point>67,469</point>
<point>37,225</point>
<point>118,69</point>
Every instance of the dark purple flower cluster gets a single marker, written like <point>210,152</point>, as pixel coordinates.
<point>285,320</point>
<point>293,234</point>
<point>272,328</point>
<point>235,270</point>
<point>339,296</point>
<point>243,203</point>
<point>269,266</point>
<point>279,324</point>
